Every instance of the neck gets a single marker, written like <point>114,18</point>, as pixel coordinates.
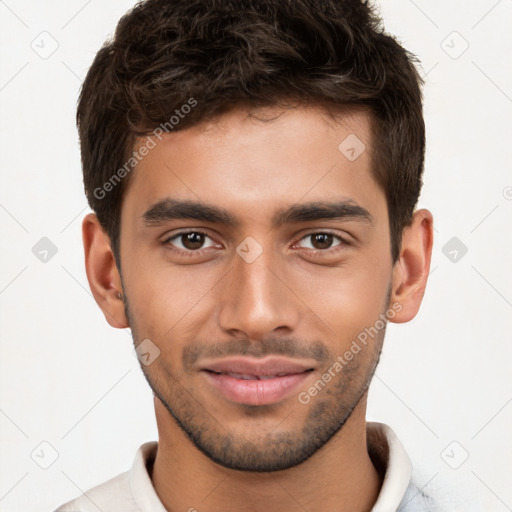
<point>340,476</point>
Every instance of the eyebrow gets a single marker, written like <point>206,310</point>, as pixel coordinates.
<point>322,210</point>
<point>172,209</point>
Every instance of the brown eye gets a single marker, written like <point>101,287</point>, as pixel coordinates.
<point>190,241</point>
<point>193,240</point>
<point>322,241</point>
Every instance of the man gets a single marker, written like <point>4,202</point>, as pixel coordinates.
<point>254,167</point>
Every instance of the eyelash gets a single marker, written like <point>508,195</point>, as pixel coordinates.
<point>188,253</point>
<point>332,250</point>
<point>311,252</point>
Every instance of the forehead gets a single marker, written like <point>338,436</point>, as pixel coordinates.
<point>254,162</point>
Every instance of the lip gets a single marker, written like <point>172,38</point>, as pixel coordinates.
<point>271,365</point>
<point>272,379</point>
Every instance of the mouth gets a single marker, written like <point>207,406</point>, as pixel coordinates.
<point>252,377</point>
<point>256,382</point>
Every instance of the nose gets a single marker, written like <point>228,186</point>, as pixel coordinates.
<point>257,299</point>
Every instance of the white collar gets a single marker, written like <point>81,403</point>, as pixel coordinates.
<point>387,451</point>
<point>384,447</point>
<point>141,485</point>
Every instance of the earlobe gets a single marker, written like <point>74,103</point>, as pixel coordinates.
<point>102,273</point>
<point>412,268</point>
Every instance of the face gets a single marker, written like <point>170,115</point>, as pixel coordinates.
<point>254,255</point>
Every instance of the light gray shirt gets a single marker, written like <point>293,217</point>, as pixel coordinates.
<point>133,491</point>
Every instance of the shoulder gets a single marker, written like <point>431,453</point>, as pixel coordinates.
<point>111,495</point>
<point>416,500</point>
<point>131,491</point>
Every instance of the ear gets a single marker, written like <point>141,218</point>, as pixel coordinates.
<point>102,273</point>
<point>410,272</point>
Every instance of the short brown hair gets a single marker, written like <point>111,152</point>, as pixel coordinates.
<point>225,53</point>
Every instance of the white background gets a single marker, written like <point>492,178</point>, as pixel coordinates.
<point>67,378</point>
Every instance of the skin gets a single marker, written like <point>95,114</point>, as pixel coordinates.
<point>286,456</point>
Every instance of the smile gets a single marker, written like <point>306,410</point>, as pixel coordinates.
<point>256,382</point>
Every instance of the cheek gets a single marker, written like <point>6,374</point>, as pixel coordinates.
<point>349,300</point>
<point>164,299</point>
